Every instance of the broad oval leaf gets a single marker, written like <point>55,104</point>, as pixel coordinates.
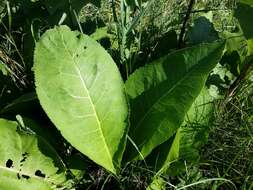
<point>27,161</point>
<point>162,92</point>
<point>80,88</point>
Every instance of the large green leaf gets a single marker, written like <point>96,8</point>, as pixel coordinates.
<point>81,90</point>
<point>27,161</point>
<point>162,92</point>
<point>244,13</point>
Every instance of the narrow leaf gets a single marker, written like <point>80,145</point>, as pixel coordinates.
<point>162,92</point>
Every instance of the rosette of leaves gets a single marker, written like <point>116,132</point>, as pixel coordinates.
<point>81,90</point>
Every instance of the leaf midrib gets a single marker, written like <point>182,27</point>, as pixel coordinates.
<point>165,94</point>
<point>89,98</point>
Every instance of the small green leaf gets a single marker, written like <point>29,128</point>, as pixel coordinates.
<point>100,33</point>
<point>158,183</point>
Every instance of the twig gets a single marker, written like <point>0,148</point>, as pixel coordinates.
<point>183,29</point>
<point>205,10</point>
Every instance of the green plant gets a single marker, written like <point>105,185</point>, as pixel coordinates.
<point>131,103</point>
<point>77,82</point>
